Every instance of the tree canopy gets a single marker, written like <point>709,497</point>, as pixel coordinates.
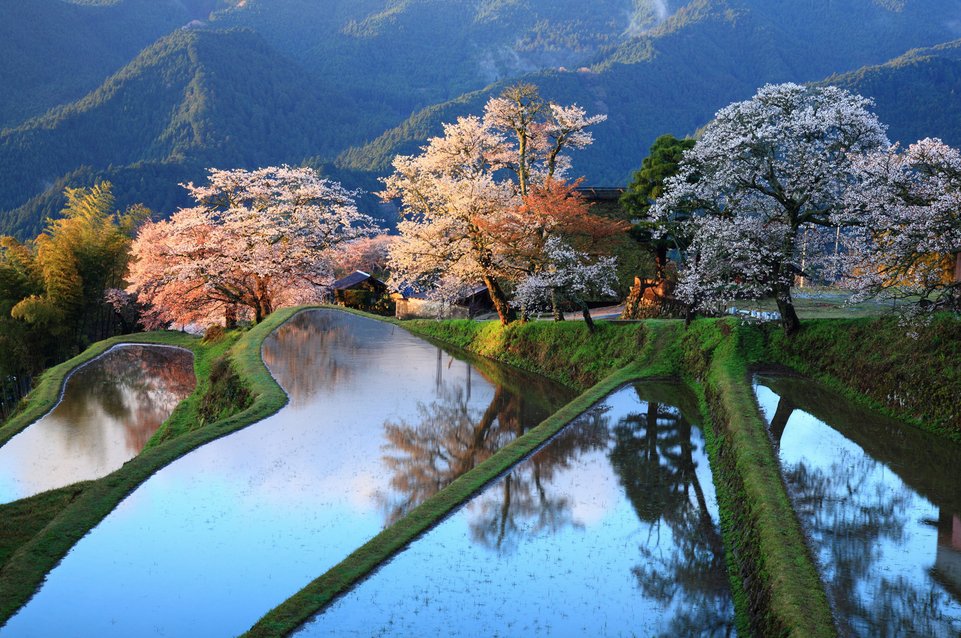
<point>764,171</point>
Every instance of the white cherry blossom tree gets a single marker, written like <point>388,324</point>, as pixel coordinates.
<point>570,275</point>
<point>906,219</point>
<point>771,167</point>
<point>256,240</point>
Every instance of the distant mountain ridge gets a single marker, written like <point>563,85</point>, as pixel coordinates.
<point>344,85</point>
<point>674,78</point>
<point>917,94</point>
<point>55,51</point>
<point>195,98</point>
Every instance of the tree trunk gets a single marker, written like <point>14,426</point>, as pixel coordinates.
<point>660,262</point>
<point>785,306</point>
<point>230,316</point>
<point>585,311</point>
<point>504,310</point>
<point>957,267</point>
<point>558,315</point>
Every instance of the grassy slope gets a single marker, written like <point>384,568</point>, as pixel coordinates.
<point>613,347</point>
<point>27,563</point>
<point>912,373</point>
<point>776,586</point>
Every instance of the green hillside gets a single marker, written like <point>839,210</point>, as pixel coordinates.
<point>55,51</point>
<point>917,94</point>
<point>407,54</point>
<point>347,84</point>
<point>196,98</point>
<point>675,77</point>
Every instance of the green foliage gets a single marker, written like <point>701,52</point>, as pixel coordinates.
<point>226,395</point>
<point>52,300</point>
<point>647,185</point>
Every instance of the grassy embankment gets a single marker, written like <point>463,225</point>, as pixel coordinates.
<point>911,373</point>
<point>776,586</point>
<point>36,533</point>
<point>603,362</point>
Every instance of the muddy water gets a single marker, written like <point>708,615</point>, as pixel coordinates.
<point>880,502</point>
<point>378,420</point>
<point>110,409</point>
<point>609,530</point>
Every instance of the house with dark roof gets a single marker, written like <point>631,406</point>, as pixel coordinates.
<point>363,291</point>
<point>414,304</point>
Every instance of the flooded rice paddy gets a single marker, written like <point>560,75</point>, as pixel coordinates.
<point>880,503</point>
<point>611,529</point>
<point>109,410</point>
<point>378,420</point>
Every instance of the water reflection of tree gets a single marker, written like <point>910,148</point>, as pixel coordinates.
<point>849,512</point>
<point>136,386</point>
<point>312,352</point>
<point>449,438</point>
<point>521,504</point>
<point>653,455</point>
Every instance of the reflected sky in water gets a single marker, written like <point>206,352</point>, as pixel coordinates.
<point>218,538</point>
<point>609,530</point>
<point>110,409</point>
<point>879,502</point>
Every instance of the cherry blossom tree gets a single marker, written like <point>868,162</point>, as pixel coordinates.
<point>368,254</point>
<point>551,209</point>
<point>906,219</point>
<point>457,194</point>
<point>256,240</point>
<point>772,167</point>
<point>570,275</point>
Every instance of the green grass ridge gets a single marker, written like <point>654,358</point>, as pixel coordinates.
<point>776,587</point>
<point>87,504</point>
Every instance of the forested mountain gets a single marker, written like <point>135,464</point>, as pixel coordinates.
<point>55,51</point>
<point>407,54</point>
<point>267,81</point>
<point>709,53</point>
<point>196,98</point>
<point>917,94</point>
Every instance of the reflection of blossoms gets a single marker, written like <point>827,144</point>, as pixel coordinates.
<point>522,503</point>
<point>653,455</point>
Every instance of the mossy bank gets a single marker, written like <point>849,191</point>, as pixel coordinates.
<point>36,533</point>
<point>776,586</point>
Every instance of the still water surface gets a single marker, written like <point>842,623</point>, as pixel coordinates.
<point>880,503</point>
<point>378,420</point>
<point>110,408</point>
<point>609,530</point>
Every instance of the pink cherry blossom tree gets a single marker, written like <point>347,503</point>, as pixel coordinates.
<point>771,167</point>
<point>255,241</point>
<point>457,192</point>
